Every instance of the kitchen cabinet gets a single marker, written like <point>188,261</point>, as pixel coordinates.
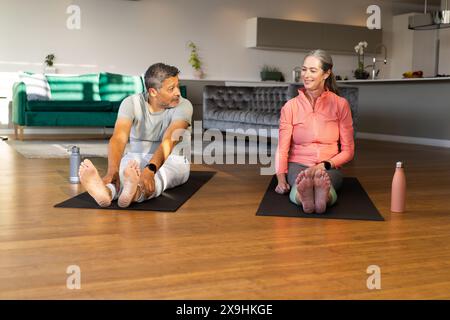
<point>289,35</point>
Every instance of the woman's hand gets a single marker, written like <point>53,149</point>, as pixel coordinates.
<point>282,187</point>
<point>312,170</point>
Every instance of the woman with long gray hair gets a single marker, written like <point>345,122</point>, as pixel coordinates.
<point>315,137</point>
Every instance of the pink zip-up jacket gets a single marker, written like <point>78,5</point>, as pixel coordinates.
<point>308,136</point>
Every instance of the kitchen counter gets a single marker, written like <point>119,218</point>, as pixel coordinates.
<point>403,80</point>
<point>248,82</point>
<point>415,110</point>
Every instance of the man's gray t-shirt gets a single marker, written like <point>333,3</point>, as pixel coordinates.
<point>148,128</point>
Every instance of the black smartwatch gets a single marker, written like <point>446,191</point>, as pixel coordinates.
<point>152,167</point>
<point>327,165</point>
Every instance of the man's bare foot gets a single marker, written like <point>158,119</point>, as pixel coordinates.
<point>305,191</point>
<point>130,184</point>
<point>93,184</point>
<point>322,185</point>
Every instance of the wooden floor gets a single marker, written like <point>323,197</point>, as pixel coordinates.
<point>215,247</point>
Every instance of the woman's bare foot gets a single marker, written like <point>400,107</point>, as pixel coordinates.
<point>130,184</point>
<point>322,185</point>
<point>305,191</point>
<point>91,181</point>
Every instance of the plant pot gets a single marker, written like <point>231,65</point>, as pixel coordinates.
<point>270,75</point>
<point>361,74</point>
<point>198,74</point>
<point>49,70</point>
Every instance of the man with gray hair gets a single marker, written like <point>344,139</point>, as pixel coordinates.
<point>157,124</point>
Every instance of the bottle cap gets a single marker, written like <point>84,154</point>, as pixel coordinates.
<point>399,164</point>
<point>75,149</point>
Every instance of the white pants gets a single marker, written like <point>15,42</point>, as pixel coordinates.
<point>174,172</point>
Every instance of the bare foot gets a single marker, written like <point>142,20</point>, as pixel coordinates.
<point>305,191</point>
<point>93,184</point>
<point>322,186</point>
<point>130,184</point>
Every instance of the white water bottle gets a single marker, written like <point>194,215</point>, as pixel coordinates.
<point>75,161</point>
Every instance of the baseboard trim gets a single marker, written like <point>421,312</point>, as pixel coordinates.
<point>361,135</point>
<point>404,139</point>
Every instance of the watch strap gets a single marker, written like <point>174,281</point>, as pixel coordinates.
<point>152,167</point>
<point>327,165</point>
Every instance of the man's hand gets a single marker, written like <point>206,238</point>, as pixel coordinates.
<point>116,147</point>
<point>147,181</point>
<point>112,178</point>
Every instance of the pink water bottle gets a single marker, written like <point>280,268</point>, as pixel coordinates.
<point>398,191</point>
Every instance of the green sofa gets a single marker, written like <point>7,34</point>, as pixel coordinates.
<point>88,100</point>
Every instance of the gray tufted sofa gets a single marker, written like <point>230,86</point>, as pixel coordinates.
<point>233,107</point>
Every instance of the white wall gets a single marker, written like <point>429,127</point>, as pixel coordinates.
<point>416,49</point>
<point>444,52</point>
<point>127,36</point>
<point>400,49</point>
<point>425,45</point>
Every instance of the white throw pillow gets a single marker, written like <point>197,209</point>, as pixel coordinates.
<point>36,86</point>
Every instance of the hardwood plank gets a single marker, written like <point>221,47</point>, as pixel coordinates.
<point>215,247</point>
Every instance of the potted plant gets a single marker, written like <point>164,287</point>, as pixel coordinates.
<point>271,73</point>
<point>49,68</point>
<point>194,60</point>
<point>360,72</point>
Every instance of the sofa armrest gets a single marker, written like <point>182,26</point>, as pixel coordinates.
<point>19,103</point>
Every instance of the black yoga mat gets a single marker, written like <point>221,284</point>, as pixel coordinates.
<point>169,200</point>
<point>353,203</point>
